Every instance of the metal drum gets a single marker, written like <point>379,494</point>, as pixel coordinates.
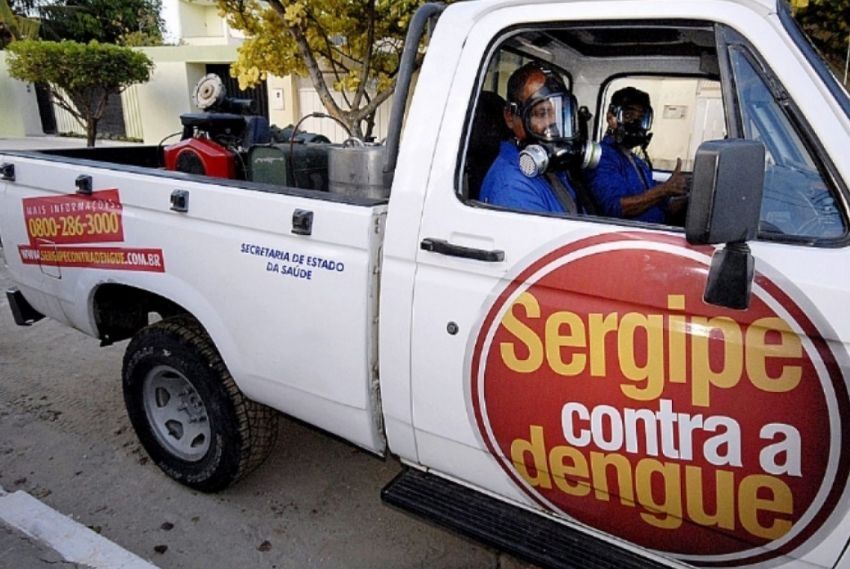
<point>271,163</point>
<point>357,170</point>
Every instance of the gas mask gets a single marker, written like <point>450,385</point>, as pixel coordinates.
<point>632,131</point>
<point>553,140</point>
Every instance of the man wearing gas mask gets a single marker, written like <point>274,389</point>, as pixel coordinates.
<point>530,172</point>
<point>622,184</point>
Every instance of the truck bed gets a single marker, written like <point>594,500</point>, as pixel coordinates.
<point>291,308</point>
<point>149,160</point>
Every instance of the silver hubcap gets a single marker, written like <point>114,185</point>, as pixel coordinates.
<point>176,413</point>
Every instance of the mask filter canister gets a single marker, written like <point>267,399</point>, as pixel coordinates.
<point>592,155</point>
<point>533,160</point>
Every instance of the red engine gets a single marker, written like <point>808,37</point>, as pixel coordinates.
<point>215,140</point>
<point>201,156</point>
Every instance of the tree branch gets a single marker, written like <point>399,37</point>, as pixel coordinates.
<point>363,112</point>
<point>367,63</point>
<point>329,56</point>
<point>312,65</point>
<point>59,99</point>
<point>101,105</point>
<point>239,8</point>
<point>346,61</point>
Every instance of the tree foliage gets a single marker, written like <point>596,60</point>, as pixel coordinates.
<point>14,23</point>
<point>81,76</point>
<point>356,43</point>
<point>827,22</point>
<point>123,22</point>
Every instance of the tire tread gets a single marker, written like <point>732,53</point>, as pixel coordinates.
<point>257,423</point>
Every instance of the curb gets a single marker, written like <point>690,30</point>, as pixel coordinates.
<point>71,540</point>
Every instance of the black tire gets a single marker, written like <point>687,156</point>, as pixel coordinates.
<point>234,434</point>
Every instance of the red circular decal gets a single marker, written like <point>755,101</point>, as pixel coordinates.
<point>613,394</point>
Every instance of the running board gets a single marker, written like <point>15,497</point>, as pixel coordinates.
<point>525,535</point>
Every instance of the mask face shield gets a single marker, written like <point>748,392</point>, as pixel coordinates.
<point>634,118</point>
<point>553,138</point>
<point>551,118</point>
<point>634,122</point>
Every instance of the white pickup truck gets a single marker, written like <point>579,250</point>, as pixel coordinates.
<point>584,391</point>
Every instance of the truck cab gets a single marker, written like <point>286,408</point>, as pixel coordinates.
<point>571,363</point>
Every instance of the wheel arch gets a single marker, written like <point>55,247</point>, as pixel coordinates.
<point>117,310</point>
<point>121,310</point>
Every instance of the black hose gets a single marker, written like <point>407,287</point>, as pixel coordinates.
<point>159,146</point>
<point>295,132</point>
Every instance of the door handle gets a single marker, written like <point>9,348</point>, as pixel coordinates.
<point>443,247</point>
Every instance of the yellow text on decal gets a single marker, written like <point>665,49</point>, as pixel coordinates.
<point>666,493</point>
<point>653,349</point>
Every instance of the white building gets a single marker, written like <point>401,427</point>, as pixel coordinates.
<point>152,110</point>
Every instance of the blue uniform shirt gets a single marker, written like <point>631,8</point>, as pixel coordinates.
<point>616,178</point>
<point>505,185</point>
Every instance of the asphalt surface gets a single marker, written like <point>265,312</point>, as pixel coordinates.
<point>66,440</point>
<point>19,551</point>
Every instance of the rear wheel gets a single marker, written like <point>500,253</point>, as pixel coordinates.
<point>188,412</point>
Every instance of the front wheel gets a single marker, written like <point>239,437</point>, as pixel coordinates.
<point>188,412</point>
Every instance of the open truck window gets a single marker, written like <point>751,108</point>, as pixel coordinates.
<point>678,63</point>
<point>688,111</point>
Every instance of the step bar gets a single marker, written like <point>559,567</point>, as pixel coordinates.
<point>525,535</point>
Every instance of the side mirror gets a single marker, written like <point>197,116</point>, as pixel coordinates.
<point>725,206</point>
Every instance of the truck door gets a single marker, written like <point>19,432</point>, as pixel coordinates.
<point>570,363</point>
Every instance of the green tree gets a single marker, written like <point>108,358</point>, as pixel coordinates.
<point>81,76</point>
<point>123,22</point>
<point>827,22</point>
<point>14,23</point>
<point>358,44</point>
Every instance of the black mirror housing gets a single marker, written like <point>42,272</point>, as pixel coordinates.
<point>730,278</point>
<point>725,207</point>
<point>725,201</point>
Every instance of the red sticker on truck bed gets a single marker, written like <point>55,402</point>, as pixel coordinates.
<point>611,393</point>
<point>150,260</point>
<point>63,220</point>
<point>63,231</point>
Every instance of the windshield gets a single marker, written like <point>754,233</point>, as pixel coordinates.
<point>820,66</point>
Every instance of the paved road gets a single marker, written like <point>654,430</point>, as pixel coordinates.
<point>65,439</point>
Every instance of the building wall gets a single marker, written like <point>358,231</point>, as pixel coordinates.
<point>200,24</point>
<point>133,122</point>
<point>168,94</point>
<point>113,122</point>
<point>309,102</point>
<point>152,110</point>
<point>66,123</point>
<point>284,108</point>
<point>164,98</point>
<point>18,106</point>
